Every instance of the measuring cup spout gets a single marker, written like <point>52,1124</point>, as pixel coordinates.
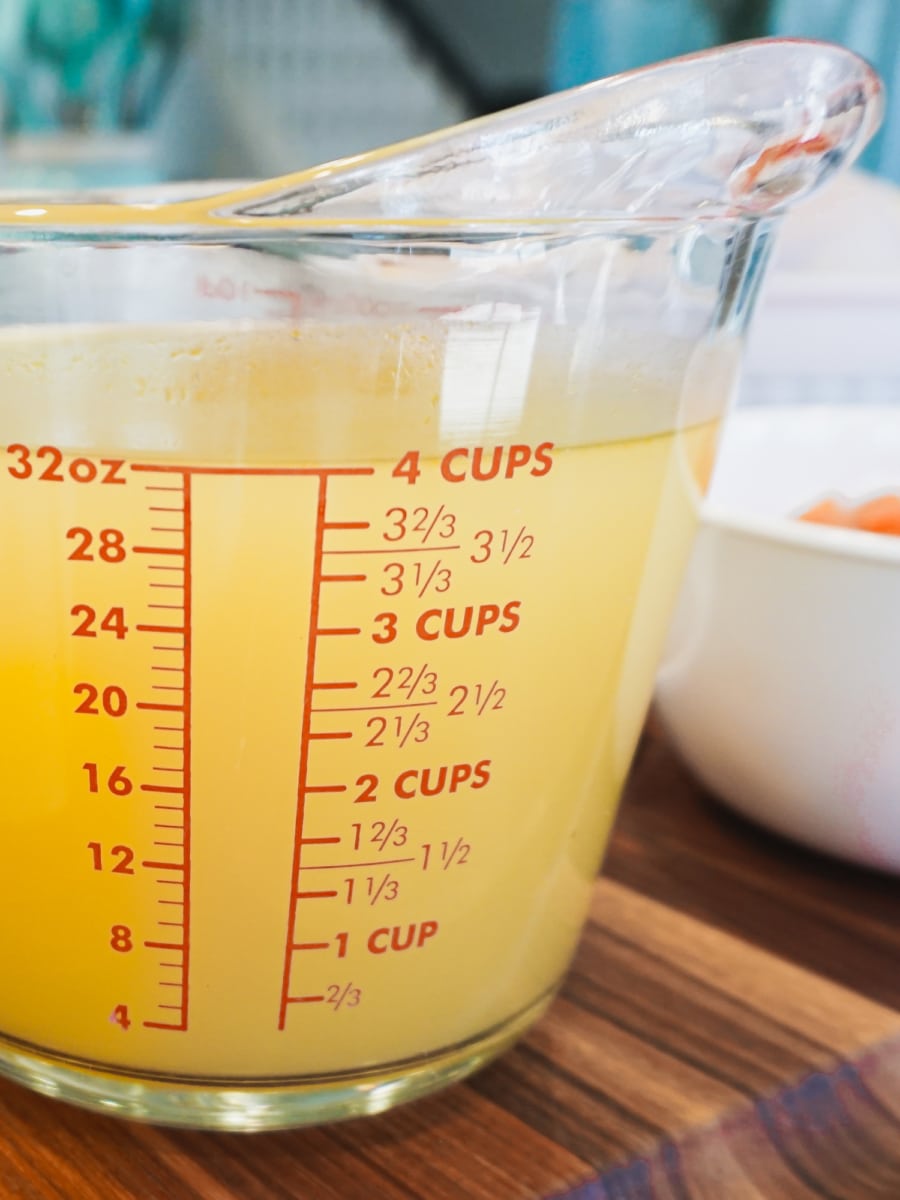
<point>736,131</point>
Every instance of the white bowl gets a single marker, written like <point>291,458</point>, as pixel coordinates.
<point>780,683</point>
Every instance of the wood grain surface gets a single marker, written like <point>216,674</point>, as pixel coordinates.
<point>730,1030</point>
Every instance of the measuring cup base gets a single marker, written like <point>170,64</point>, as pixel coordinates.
<point>247,1107</point>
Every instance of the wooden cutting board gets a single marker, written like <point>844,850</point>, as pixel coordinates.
<point>730,1030</point>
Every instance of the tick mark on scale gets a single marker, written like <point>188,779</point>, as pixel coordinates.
<point>351,866</point>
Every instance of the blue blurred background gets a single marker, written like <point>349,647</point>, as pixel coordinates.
<point>106,92</point>
<point>601,37</point>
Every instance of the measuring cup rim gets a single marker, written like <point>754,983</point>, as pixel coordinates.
<point>759,176</point>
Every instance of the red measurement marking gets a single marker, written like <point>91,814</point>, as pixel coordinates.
<point>428,579</point>
<point>418,679</point>
<point>452,853</point>
<point>349,631</point>
<point>182,631</point>
<point>294,299</point>
<point>399,550</point>
<point>347,525</point>
<point>304,999</point>
<point>163,508</point>
<point>303,766</point>
<point>344,578</point>
<point>321,473</point>
<point>329,737</point>
<point>378,707</point>
<point>351,866</point>
<point>310,945</point>
<point>333,787</point>
<point>180,869</point>
<point>187,734</point>
<point>333,686</point>
<point>320,841</point>
<point>490,692</point>
<point>434,520</point>
<point>516,540</point>
<point>381,840</point>
<point>315,895</point>
<point>414,724</point>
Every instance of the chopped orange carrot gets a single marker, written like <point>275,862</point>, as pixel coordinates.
<point>827,512</point>
<point>881,515</point>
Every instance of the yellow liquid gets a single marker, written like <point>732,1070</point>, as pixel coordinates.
<point>450,835</point>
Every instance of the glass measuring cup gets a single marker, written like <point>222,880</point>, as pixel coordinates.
<point>341,521</point>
